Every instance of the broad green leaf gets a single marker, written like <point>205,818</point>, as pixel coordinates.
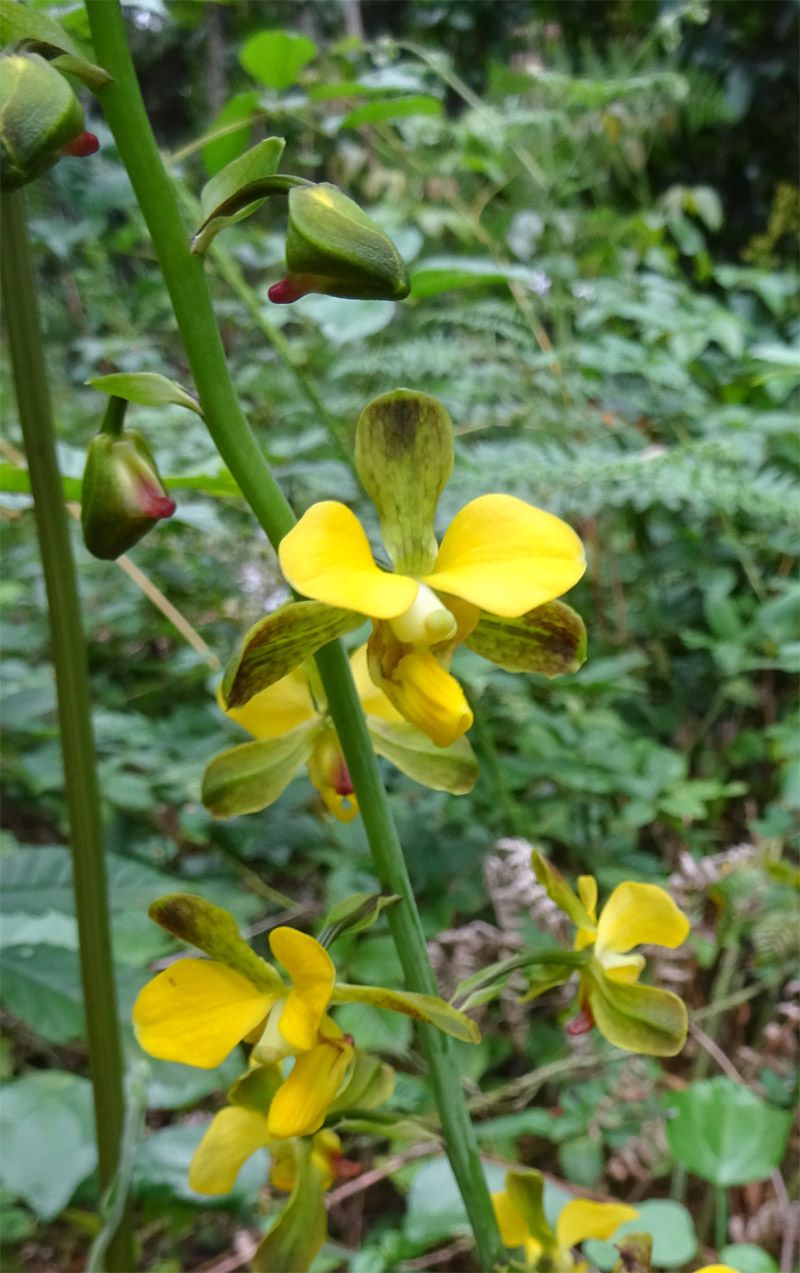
<point>559,891</point>
<point>549,640</point>
<point>280,643</point>
<point>216,933</point>
<point>42,986</point>
<point>637,1018</point>
<point>748,1258</point>
<point>435,1209</point>
<point>404,456</point>
<point>453,769</point>
<point>248,778</point>
<point>723,1132</point>
<point>47,1121</point>
<point>353,914</point>
<point>276,58</point>
<point>296,1237</point>
<point>426,1008</point>
<point>446,273</point>
<point>226,140</point>
<point>376,112</point>
<point>43,35</point>
<point>146,388</point>
<point>257,164</point>
<point>668,1223</point>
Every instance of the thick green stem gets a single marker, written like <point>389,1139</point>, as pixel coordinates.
<point>185,280</point>
<point>72,684</point>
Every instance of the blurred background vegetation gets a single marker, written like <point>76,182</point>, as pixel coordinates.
<point>598,202</point>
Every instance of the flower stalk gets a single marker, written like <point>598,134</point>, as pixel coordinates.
<point>185,279</point>
<point>72,684</point>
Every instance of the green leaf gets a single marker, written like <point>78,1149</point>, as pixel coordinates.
<point>214,931</point>
<point>722,1132</point>
<point>146,388</point>
<point>221,199</point>
<point>297,1236</point>
<point>229,141</point>
<point>453,769</point>
<point>280,643</point>
<point>276,58</point>
<point>559,891</point>
<point>47,1122</point>
<point>582,1160</point>
<point>404,456</point>
<point>434,1208</point>
<point>444,274</point>
<point>637,1018</point>
<point>41,985</point>
<point>250,777</point>
<point>747,1258</point>
<point>353,914</point>
<point>426,1008</point>
<point>42,35</point>
<point>549,640</point>
<point>670,1226</point>
<point>375,112</point>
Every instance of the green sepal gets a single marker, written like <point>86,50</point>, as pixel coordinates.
<point>298,1234</point>
<point>636,1253</point>
<point>428,1008</point>
<point>280,643</point>
<point>334,248</point>
<point>544,979</point>
<point>454,768</point>
<point>404,457</point>
<point>485,985</point>
<point>526,1191</point>
<point>221,198</point>
<point>255,1089</point>
<point>353,914</point>
<point>248,778</point>
<point>214,931</point>
<point>559,891</point>
<point>392,1126</point>
<point>41,34</point>
<point>370,1083</point>
<point>39,113</point>
<point>147,388</point>
<point>549,640</point>
<point>122,494</point>
<point>642,1019</point>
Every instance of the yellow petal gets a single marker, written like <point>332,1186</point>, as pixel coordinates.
<point>300,1104</point>
<point>196,1011</point>
<point>717,1268</point>
<point>623,967</point>
<point>326,1150</point>
<point>275,710</point>
<point>373,700</point>
<point>429,697</point>
<point>327,557</point>
<point>328,771</point>
<point>636,913</point>
<point>512,1226</point>
<point>587,892</point>
<point>584,1219</point>
<point>506,556</point>
<point>283,1172</point>
<point>312,972</point>
<point>233,1136</point>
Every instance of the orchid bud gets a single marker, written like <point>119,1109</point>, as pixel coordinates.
<point>334,248</point>
<point>123,495</point>
<point>41,119</point>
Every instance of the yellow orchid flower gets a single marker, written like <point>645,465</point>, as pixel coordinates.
<point>522,1223</point>
<point>291,726</point>
<point>234,1136</point>
<point>197,1010</point>
<point>632,1016</point>
<point>499,556</point>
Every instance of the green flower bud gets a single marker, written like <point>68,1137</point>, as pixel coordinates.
<point>123,495</point>
<point>41,119</point>
<point>334,248</point>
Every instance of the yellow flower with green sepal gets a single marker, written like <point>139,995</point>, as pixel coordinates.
<point>491,584</point>
<point>289,721</point>
<point>197,1010</point>
<point>522,1223</point>
<point>631,1016</point>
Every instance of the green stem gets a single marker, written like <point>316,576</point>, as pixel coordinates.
<point>185,279</point>
<point>114,418</point>
<point>74,711</point>
<point>721,1217</point>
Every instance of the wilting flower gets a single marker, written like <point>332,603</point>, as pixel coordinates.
<point>292,727</point>
<point>197,1010</point>
<point>638,1018</point>
<point>490,585</point>
<point>522,1223</point>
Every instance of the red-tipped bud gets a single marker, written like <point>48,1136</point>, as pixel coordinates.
<point>583,1023</point>
<point>41,119</point>
<point>123,495</point>
<point>81,146</point>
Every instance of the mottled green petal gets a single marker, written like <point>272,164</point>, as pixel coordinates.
<point>246,779</point>
<point>280,643</point>
<point>453,768</point>
<point>559,890</point>
<point>427,1008</point>
<point>526,1192</point>
<point>404,456</point>
<point>549,640</point>
<point>637,1018</point>
<point>214,931</point>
